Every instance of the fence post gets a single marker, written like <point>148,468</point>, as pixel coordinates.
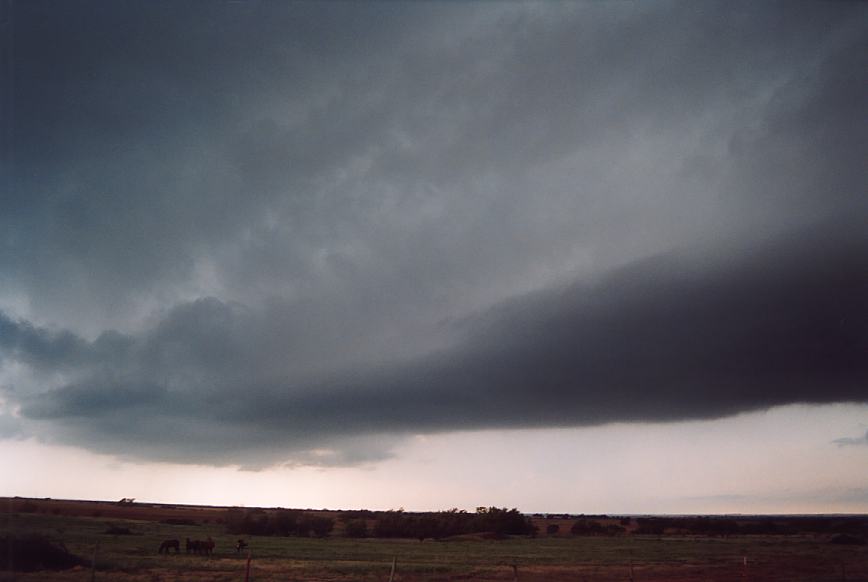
<point>247,570</point>
<point>515,572</point>
<point>394,564</point>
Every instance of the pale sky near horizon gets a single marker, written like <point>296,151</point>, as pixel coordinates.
<point>786,460</point>
<point>565,257</point>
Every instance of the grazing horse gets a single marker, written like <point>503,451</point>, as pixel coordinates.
<point>168,545</point>
<point>200,547</point>
<point>240,546</point>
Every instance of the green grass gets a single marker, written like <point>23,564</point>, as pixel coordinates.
<point>135,557</point>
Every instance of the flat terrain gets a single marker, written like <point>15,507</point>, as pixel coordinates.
<point>562,557</point>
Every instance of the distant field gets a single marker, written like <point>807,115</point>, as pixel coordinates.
<point>563,557</point>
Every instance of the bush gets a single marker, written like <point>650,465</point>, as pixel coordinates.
<point>321,526</point>
<point>584,527</point>
<point>393,524</point>
<point>553,528</point>
<point>848,540</point>
<point>285,522</point>
<point>179,521</point>
<point>502,522</point>
<point>652,525</point>
<point>29,554</point>
<point>118,531</point>
<point>356,528</point>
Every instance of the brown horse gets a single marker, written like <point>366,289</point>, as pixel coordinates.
<point>200,547</point>
<point>168,545</point>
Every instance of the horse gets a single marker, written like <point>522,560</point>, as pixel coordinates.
<point>168,545</point>
<point>200,547</point>
<point>240,546</point>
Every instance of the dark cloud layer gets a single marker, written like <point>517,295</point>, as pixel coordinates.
<point>667,338</point>
<point>249,232</point>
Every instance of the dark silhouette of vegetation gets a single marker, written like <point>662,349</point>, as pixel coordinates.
<point>356,528</point>
<point>117,530</point>
<point>759,525</point>
<point>588,527</point>
<point>584,527</point>
<point>443,524</point>
<point>356,514</point>
<point>179,521</point>
<point>553,528</point>
<point>284,522</point>
<point>318,525</point>
<point>31,553</point>
<point>26,507</point>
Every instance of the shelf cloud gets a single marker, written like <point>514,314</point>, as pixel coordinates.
<point>252,233</point>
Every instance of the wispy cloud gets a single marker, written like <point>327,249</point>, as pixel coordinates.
<point>851,441</point>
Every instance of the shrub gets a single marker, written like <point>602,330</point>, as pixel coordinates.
<point>32,553</point>
<point>356,528</point>
<point>553,528</point>
<point>584,527</point>
<point>179,521</point>
<point>504,521</point>
<point>321,526</point>
<point>284,522</point>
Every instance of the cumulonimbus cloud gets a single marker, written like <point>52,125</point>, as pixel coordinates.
<point>264,232</point>
<point>667,338</point>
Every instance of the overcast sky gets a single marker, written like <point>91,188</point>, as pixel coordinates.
<point>299,238</point>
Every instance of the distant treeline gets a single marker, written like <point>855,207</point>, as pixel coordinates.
<point>789,525</point>
<point>443,524</point>
<point>381,524</point>
<point>501,522</point>
<point>283,522</point>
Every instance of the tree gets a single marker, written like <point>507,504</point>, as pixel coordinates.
<point>356,528</point>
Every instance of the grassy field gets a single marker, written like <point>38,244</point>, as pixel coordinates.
<point>134,557</point>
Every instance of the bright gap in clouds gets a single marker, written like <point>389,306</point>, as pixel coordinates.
<point>784,460</point>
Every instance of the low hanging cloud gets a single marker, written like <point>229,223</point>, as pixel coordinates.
<point>667,338</point>
<point>248,233</point>
<point>850,441</point>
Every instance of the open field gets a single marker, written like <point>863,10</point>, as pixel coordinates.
<point>561,557</point>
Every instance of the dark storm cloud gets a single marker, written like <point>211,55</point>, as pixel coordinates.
<point>253,232</point>
<point>667,338</point>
